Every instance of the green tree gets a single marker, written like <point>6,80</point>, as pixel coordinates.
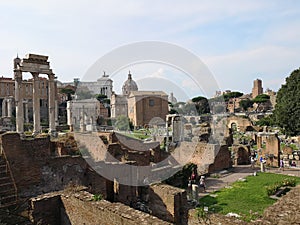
<point>201,104</point>
<point>234,94</point>
<point>287,108</point>
<point>101,97</point>
<point>245,104</point>
<point>260,99</point>
<point>68,92</point>
<point>266,121</point>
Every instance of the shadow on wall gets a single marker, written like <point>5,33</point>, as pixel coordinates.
<point>168,203</point>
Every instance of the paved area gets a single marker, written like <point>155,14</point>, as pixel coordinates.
<point>239,172</point>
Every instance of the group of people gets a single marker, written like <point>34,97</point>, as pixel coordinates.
<point>193,180</point>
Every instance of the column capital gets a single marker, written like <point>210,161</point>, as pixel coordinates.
<point>51,76</point>
<point>35,75</point>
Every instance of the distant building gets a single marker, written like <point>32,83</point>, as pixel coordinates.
<point>103,85</point>
<point>118,103</point>
<point>143,106</point>
<point>139,106</point>
<point>257,88</point>
<point>7,95</point>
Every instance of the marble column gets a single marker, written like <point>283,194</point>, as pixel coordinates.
<point>56,113</point>
<point>9,107</point>
<point>19,102</point>
<point>82,121</point>
<point>51,96</point>
<point>69,114</point>
<point>4,107</point>
<point>36,104</point>
<point>26,111</point>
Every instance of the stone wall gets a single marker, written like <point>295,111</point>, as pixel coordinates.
<point>222,160</point>
<point>77,208</point>
<point>241,154</point>
<point>210,158</point>
<point>242,124</point>
<point>271,150</point>
<point>35,171</point>
<point>168,203</point>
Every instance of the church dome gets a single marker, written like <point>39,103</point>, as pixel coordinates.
<point>129,85</point>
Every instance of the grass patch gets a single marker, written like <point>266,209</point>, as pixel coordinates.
<point>248,199</point>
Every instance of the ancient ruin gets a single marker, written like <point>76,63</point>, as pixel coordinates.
<point>36,65</point>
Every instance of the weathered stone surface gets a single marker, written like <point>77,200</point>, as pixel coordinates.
<point>73,207</point>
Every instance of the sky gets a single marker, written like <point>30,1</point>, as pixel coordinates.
<point>238,41</point>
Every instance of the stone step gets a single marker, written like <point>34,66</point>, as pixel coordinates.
<point>5,179</point>
<point>3,166</point>
<point>3,174</point>
<point>8,199</point>
<point>7,185</point>
<point>4,192</point>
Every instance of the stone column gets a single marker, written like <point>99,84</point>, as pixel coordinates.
<point>51,96</point>
<point>19,102</point>
<point>56,113</point>
<point>82,121</point>
<point>4,107</point>
<point>9,107</point>
<point>36,105</point>
<point>26,112</point>
<point>70,115</point>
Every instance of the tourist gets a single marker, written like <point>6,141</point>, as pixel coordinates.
<point>281,165</point>
<point>293,164</point>
<point>202,183</point>
<point>252,160</point>
<point>193,177</point>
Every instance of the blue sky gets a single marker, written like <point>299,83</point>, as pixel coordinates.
<point>239,41</point>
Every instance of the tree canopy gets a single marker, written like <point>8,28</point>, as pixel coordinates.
<point>245,104</point>
<point>287,108</point>
<point>201,104</point>
<point>261,98</point>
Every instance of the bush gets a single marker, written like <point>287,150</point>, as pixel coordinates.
<point>272,189</point>
<point>289,182</point>
<point>97,197</point>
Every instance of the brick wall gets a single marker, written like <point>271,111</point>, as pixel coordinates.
<point>36,172</point>
<point>168,203</point>
<point>77,208</point>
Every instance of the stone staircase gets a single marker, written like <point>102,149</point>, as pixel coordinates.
<point>8,190</point>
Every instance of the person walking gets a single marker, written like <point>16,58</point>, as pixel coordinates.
<point>252,161</point>
<point>281,165</point>
<point>202,183</point>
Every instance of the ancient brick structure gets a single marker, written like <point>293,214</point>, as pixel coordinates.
<point>241,154</point>
<point>76,207</point>
<point>257,88</point>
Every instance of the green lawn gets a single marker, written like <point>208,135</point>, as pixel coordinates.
<point>244,197</point>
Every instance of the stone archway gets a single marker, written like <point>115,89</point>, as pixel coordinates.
<point>241,154</point>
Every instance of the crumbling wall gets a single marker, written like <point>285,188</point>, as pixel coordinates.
<point>211,157</point>
<point>241,154</point>
<point>168,203</point>
<point>77,208</point>
<point>222,160</point>
<point>35,171</point>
